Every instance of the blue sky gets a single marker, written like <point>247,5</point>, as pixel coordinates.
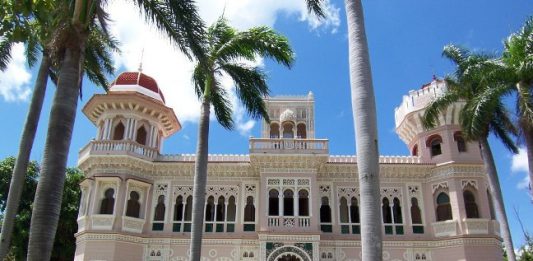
<point>405,40</point>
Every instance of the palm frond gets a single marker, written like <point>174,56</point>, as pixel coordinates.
<point>180,21</point>
<point>222,106</point>
<point>316,7</point>
<point>199,80</point>
<point>258,40</point>
<point>5,52</point>
<point>502,128</point>
<point>436,107</point>
<point>251,87</point>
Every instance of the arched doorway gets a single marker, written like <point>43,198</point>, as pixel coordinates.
<point>288,257</point>
<point>288,253</point>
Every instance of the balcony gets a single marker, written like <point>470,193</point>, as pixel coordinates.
<point>289,222</point>
<point>289,146</point>
<point>117,147</point>
<point>131,224</point>
<point>476,226</point>
<point>446,228</point>
<point>102,222</point>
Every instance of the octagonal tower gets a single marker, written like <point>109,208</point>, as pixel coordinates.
<point>442,144</point>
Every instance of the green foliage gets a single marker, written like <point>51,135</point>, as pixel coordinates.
<point>234,54</point>
<point>65,243</point>
<point>526,251</point>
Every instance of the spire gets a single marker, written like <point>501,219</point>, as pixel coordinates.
<point>141,62</point>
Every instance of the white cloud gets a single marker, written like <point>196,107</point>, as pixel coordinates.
<point>15,79</point>
<point>172,70</point>
<point>519,164</point>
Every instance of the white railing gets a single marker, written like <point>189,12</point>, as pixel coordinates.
<point>102,222</point>
<point>211,157</point>
<point>131,224</point>
<point>446,228</point>
<point>289,222</point>
<point>382,159</point>
<point>83,221</point>
<point>105,147</point>
<point>476,226</point>
<point>317,146</point>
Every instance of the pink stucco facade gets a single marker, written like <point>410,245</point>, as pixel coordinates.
<point>288,198</point>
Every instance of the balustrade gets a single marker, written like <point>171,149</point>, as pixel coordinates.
<point>289,222</point>
<point>105,147</point>
<point>317,146</point>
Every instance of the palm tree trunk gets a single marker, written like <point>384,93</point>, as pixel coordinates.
<point>47,204</point>
<point>364,114</point>
<point>497,198</point>
<point>200,182</point>
<point>21,165</point>
<point>528,137</point>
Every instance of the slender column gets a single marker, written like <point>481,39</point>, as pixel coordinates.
<point>107,129</point>
<point>153,133</point>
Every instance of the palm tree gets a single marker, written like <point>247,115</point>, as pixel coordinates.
<point>177,19</point>
<point>474,83</point>
<point>38,38</point>
<point>519,64</point>
<point>366,138</point>
<point>365,125</point>
<point>227,50</point>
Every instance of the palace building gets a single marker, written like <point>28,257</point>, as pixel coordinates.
<point>288,199</point>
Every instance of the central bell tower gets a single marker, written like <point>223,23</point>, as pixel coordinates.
<point>290,117</point>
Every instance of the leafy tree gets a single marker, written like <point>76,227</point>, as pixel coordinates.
<point>518,58</point>
<point>32,25</point>
<point>226,51</point>
<point>65,243</point>
<point>179,20</point>
<point>474,83</point>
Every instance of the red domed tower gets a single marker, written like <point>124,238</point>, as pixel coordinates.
<point>132,117</point>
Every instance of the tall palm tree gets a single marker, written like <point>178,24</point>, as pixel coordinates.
<point>177,19</point>
<point>518,59</point>
<point>365,125</point>
<point>474,83</point>
<point>227,50</point>
<point>38,39</point>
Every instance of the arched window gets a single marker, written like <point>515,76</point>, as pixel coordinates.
<point>354,211</point>
<point>232,209</point>
<point>325,216</point>
<point>288,132</point>
<point>251,254</point>
<point>303,203</point>
<point>461,144</point>
<point>491,205</point>
<point>274,130</point>
<point>288,203</point>
<point>178,209</point>
<point>141,135</point>
<point>470,204</point>
<point>325,211</point>
<point>159,214</point>
<point>397,211</point>
<point>301,131</point>
<point>434,143</point>
<point>343,210</point>
<point>273,203</point>
<point>444,209</point>
<point>249,214</point>
<point>221,208</point>
<point>118,132</point>
<point>210,209</point>
<point>416,215</point>
<point>184,226</point>
<point>188,209</point>
<point>414,151</point>
<point>249,210</point>
<point>108,202</point>
<point>133,208</point>
<point>386,211</point>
